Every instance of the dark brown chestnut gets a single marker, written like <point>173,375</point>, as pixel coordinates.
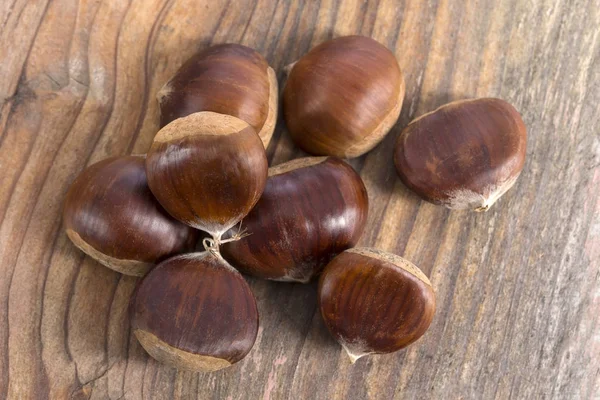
<point>195,312</point>
<point>227,79</point>
<point>464,155</point>
<point>343,97</point>
<point>111,215</point>
<point>207,170</point>
<point>375,302</point>
<point>311,210</point>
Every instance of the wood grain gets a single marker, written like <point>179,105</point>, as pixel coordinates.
<point>518,287</point>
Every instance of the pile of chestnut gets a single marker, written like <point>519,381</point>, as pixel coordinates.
<point>207,171</point>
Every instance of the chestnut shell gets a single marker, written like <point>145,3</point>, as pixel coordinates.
<point>343,97</point>
<point>374,302</point>
<point>311,210</point>
<point>195,312</point>
<point>207,170</point>
<point>464,155</point>
<point>227,79</point>
<point>111,215</point>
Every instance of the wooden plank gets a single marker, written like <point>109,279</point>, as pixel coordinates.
<point>518,287</point>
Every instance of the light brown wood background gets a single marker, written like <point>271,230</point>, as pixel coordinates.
<point>518,287</point>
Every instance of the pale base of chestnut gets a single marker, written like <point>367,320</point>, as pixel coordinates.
<point>266,132</point>
<point>211,123</point>
<point>451,104</point>
<point>177,358</point>
<point>393,259</point>
<point>127,267</point>
<point>298,163</point>
<point>467,199</point>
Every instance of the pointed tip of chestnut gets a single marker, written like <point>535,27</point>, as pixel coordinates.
<point>111,215</point>
<point>353,356</point>
<point>312,209</point>
<point>195,312</point>
<point>463,155</point>
<point>207,170</point>
<point>374,302</point>
<point>343,97</point>
<point>228,79</point>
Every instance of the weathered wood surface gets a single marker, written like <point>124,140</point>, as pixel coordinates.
<point>518,287</point>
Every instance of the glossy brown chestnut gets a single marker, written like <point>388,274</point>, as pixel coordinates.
<point>207,170</point>
<point>311,210</point>
<point>464,155</point>
<point>343,97</point>
<point>374,302</point>
<point>111,215</point>
<point>227,79</point>
<point>195,312</point>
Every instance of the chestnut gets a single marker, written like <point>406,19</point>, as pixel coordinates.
<point>227,79</point>
<point>111,215</point>
<point>311,210</point>
<point>195,312</point>
<point>207,170</point>
<point>464,155</point>
<point>374,302</point>
<point>343,97</point>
